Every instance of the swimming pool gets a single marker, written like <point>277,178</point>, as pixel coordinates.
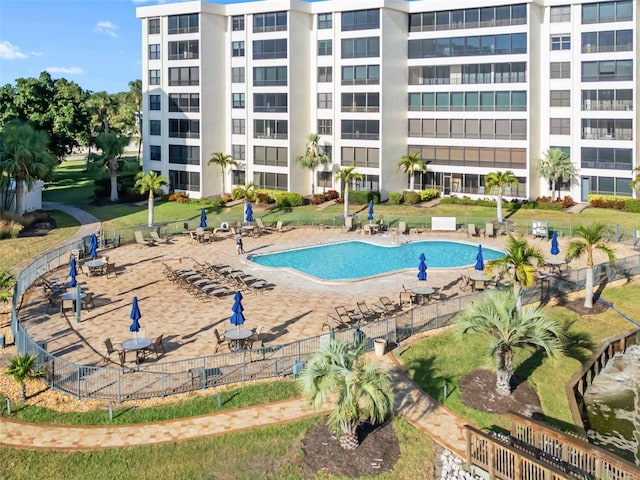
<point>356,260</point>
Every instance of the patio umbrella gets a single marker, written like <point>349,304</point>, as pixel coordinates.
<point>237,318</point>
<point>248,212</point>
<point>203,218</point>
<point>555,248</point>
<point>422,268</point>
<point>93,246</point>
<point>479,260</point>
<point>370,215</point>
<point>135,317</point>
<point>73,271</point>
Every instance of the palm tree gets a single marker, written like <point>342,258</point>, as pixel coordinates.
<point>135,92</point>
<point>101,104</point>
<point>346,176</point>
<point>497,180</point>
<point>248,192</point>
<point>150,182</point>
<point>410,164</point>
<point>518,261</point>
<point>112,146</point>
<point>24,157</point>
<point>22,368</point>
<point>223,160</point>
<point>363,390</point>
<point>313,158</point>
<point>556,165</point>
<point>590,238</point>
<point>498,316</point>
<point>7,281</point>
<point>635,183</point>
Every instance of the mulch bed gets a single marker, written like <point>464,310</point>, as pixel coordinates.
<point>577,305</point>
<point>39,229</point>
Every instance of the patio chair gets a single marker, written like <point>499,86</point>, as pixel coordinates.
<point>388,305</point>
<point>157,238</point>
<point>218,340</point>
<point>262,228</point>
<point>279,227</point>
<point>66,304</point>
<point>110,350</point>
<point>464,283</point>
<point>140,240</point>
<point>155,347</point>
<point>256,338</point>
<point>110,269</point>
<point>367,313</point>
<point>54,301</point>
<point>402,228</point>
<point>336,323</point>
<point>489,230</point>
<point>87,301</point>
<point>85,270</point>
<point>471,230</point>
<point>347,316</point>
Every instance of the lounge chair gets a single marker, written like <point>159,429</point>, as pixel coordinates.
<point>335,322</point>
<point>348,224</point>
<point>140,240</point>
<point>402,228</point>
<point>471,230</point>
<point>489,230</point>
<point>262,228</point>
<point>157,238</point>
<point>367,313</point>
<point>347,316</point>
<point>388,305</point>
<point>464,283</point>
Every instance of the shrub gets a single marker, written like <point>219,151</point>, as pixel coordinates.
<point>264,196</point>
<point>364,196</point>
<point>429,194</point>
<point>180,197</point>
<point>411,198</point>
<point>317,199</point>
<point>395,198</point>
<point>288,199</point>
<point>607,201</point>
<point>567,201</point>
<point>331,195</point>
<point>14,229</point>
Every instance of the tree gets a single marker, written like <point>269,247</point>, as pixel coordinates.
<point>150,182</point>
<point>313,158</point>
<point>498,316</point>
<point>22,368</point>
<point>112,146</point>
<point>589,238</point>
<point>7,282</point>
<point>518,261</point>
<point>102,105</point>
<point>635,183</point>
<point>410,164</point>
<point>497,180</point>
<point>363,390</point>
<point>25,157</point>
<point>555,166</point>
<point>223,160</point>
<point>135,96</point>
<point>248,192</point>
<point>346,176</point>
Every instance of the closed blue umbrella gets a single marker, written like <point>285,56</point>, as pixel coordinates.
<point>135,317</point>
<point>479,260</point>
<point>248,212</point>
<point>93,246</point>
<point>422,268</point>
<point>237,318</point>
<point>370,215</point>
<point>73,271</point>
<point>555,248</point>
<point>203,218</point>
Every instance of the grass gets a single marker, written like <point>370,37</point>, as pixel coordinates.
<point>262,453</point>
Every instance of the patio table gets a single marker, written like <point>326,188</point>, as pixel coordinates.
<point>237,338</point>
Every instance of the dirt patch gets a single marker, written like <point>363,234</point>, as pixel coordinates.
<point>478,391</point>
<point>378,452</point>
<point>577,305</point>
<point>39,229</point>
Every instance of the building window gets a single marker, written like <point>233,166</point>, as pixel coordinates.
<point>265,49</point>
<point>607,70</point>
<point>273,156</point>
<point>361,102</point>
<point>270,102</point>
<point>361,47</point>
<point>607,99</point>
<point>325,74</point>
<point>607,41</point>
<point>560,98</point>
<point>605,12</point>
<point>360,157</point>
<point>360,20</point>
<point>360,129</point>
<point>184,50</point>
<point>325,126</point>
<point>501,129</point>
<point>560,126</point>
<point>237,49</point>
<point>184,128</point>
<point>155,127</point>
<point>609,186</point>
<point>237,75</point>
<point>560,69</point>
<point>184,102</point>
<point>154,77</point>
<point>325,47</point>
<point>238,126</point>
<point>484,17</point>
<point>154,102</point>
<point>325,100</point>
<point>560,14</point>
<point>155,153</point>
<point>184,154</point>
<point>361,75</point>
<point>238,152</point>
<point>238,100</point>
<point>607,129</point>
<point>269,22</point>
<point>278,129</point>
<point>237,177</point>
<point>183,23</point>
<point>486,157</point>
<point>325,20</point>
<point>237,23</point>
<point>505,44</point>
<point>560,42</point>
<point>471,101</point>
<point>271,181</point>
<point>154,26</point>
<point>325,180</point>
<point>180,180</point>
<point>269,76</point>
<point>607,158</point>
<point>154,51</point>
<point>184,76</point>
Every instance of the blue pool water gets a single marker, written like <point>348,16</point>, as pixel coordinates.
<point>356,260</point>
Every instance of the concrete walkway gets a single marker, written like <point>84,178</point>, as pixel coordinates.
<point>425,413</point>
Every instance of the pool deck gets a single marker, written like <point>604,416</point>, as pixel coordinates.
<point>295,308</point>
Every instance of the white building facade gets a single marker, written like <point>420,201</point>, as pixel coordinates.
<point>475,89</point>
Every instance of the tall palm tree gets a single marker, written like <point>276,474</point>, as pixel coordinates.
<point>635,183</point>
<point>498,316</point>
<point>224,161</point>
<point>101,104</point>
<point>556,165</point>
<point>135,93</point>
<point>24,157</point>
<point>362,389</point>
<point>112,146</point>
<point>410,164</point>
<point>589,238</point>
<point>497,180</point>
<point>346,176</point>
<point>518,261</point>
<point>22,368</point>
<point>313,158</point>
<point>150,182</point>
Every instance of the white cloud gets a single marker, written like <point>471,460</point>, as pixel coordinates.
<point>107,27</point>
<point>35,54</point>
<point>8,51</point>
<point>67,70</point>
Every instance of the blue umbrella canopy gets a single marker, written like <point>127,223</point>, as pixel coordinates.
<point>248,212</point>
<point>237,318</point>
<point>479,260</point>
<point>203,218</point>
<point>555,248</point>
<point>73,271</point>
<point>93,246</point>
<point>135,316</point>
<point>422,268</point>
<point>370,215</point>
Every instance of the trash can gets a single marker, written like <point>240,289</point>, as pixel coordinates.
<point>380,346</point>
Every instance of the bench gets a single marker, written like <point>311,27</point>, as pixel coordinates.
<point>204,376</point>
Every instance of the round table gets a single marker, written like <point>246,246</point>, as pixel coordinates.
<point>237,338</point>
<point>136,344</point>
<point>73,295</point>
<point>96,266</point>
<point>555,264</point>
<point>479,281</point>
<point>422,292</point>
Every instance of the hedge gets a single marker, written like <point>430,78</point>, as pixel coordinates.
<point>626,204</point>
<point>411,198</point>
<point>364,196</point>
<point>429,194</point>
<point>395,198</point>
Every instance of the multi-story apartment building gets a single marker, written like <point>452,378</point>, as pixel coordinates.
<point>475,89</point>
